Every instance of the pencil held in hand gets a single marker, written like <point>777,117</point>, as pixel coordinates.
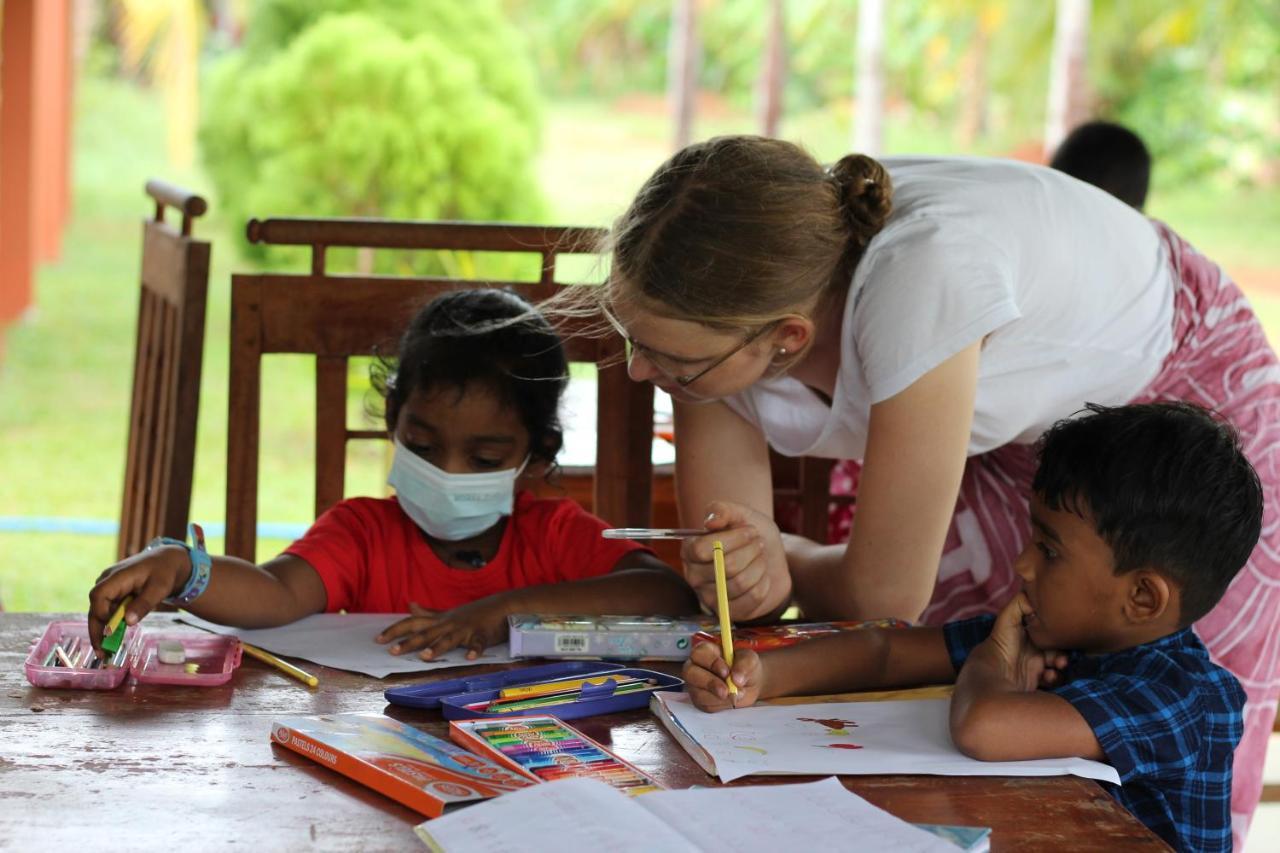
<point>113,633</point>
<point>722,604</point>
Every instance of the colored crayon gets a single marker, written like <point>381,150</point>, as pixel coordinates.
<point>566,748</point>
<point>558,761</point>
<point>518,738</point>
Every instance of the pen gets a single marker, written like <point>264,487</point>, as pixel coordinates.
<point>284,666</point>
<point>722,604</point>
<point>651,533</point>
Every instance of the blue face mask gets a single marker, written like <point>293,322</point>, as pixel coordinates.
<point>451,506</point>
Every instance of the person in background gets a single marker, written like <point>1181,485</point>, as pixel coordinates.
<point>1109,156</point>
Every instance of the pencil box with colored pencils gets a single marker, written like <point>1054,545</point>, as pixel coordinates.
<point>545,748</point>
<point>207,660</point>
<point>761,638</point>
<point>569,690</point>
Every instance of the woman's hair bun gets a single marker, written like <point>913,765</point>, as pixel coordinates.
<point>865,193</point>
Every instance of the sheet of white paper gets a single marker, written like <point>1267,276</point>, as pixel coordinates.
<point>586,814</point>
<point>345,641</point>
<point>571,814</point>
<point>851,737</point>
<point>811,816</point>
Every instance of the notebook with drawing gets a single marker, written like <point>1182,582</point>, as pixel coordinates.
<point>586,814</point>
<point>910,737</point>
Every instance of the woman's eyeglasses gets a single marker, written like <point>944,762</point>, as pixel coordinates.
<point>664,364</point>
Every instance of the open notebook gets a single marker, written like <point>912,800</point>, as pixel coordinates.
<point>910,736</point>
<point>586,814</point>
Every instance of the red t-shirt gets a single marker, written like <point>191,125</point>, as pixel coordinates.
<point>372,558</point>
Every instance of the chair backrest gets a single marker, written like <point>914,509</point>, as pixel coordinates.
<point>166,374</point>
<point>802,495</point>
<point>339,316</point>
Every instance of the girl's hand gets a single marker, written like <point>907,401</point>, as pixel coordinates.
<point>705,673</point>
<point>755,565</point>
<point>150,576</point>
<point>474,626</point>
<point>1010,652</point>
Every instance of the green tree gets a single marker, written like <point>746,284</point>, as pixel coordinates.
<point>327,112</point>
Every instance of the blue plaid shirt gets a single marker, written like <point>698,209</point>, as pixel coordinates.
<point>1167,718</point>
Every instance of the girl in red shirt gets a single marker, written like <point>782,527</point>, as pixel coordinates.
<point>472,405</point>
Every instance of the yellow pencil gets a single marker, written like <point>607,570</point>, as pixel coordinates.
<point>722,604</point>
<point>114,621</point>
<point>284,666</point>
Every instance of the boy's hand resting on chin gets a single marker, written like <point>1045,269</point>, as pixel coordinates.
<point>1010,652</point>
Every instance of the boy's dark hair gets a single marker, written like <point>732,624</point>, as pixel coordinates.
<point>1108,156</point>
<point>487,337</point>
<point>1167,487</point>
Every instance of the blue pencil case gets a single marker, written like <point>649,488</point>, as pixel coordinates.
<point>454,695</point>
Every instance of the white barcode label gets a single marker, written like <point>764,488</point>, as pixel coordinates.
<point>571,643</point>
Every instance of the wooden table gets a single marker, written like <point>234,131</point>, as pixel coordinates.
<point>164,768</point>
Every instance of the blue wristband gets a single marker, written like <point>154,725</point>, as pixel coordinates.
<point>201,565</point>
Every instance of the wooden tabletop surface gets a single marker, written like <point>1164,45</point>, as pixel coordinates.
<point>155,768</point>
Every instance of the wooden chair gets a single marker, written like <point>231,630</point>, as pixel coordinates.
<point>339,316</point>
<point>802,494</point>
<point>166,374</point>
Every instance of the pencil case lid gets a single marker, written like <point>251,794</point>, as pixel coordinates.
<point>592,699</point>
<point>430,694</point>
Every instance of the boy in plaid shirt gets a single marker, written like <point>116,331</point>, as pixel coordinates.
<point>1141,516</point>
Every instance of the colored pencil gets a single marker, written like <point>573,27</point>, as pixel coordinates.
<point>282,665</point>
<point>722,604</point>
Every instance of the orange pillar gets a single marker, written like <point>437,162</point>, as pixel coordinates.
<point>17,90</point>
<point>51,124</point>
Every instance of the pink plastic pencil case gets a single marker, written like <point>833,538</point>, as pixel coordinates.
<point>216,658</point>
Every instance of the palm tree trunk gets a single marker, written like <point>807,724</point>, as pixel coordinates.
<point>1068,93</point>
<point>682,68</point>
<point>868,113</point>
<point>773,72</point>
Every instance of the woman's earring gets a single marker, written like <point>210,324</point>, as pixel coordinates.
<point>782,350</point>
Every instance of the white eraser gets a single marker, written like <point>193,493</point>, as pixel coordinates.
<point>171,651</point>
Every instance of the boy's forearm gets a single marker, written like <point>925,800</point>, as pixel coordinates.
<point>865,659</point>
<point>993,719</point>
<point>243,595</point>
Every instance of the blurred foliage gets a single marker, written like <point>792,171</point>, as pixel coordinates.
<point>405,109</point>
<point>1196,78</point>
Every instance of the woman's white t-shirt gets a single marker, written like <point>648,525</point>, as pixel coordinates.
<point>1069,287</point>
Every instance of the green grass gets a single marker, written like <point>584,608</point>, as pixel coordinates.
<point>65,378</point>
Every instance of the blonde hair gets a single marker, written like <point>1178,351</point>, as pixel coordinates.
<point>738,231</point>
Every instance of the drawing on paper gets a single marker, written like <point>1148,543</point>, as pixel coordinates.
<point>755,749</point>
<point>841,745</point>
<point>835,726</point>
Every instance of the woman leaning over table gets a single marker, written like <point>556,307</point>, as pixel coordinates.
<point>930,317</point>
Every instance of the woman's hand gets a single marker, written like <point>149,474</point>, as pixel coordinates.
<point>706,673</point>
<point>149,576</point>
<point>474,626</point>
<point>755,565</point>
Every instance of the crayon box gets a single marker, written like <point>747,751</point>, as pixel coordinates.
<point>544,748</point>
<point>422,771</point>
